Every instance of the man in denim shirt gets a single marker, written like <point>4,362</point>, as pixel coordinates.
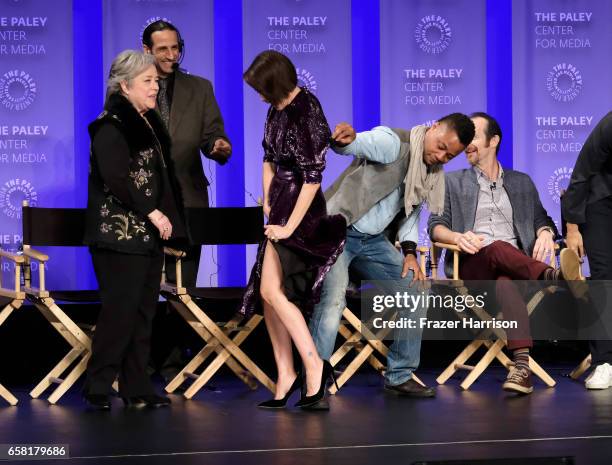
<point>392,170</point>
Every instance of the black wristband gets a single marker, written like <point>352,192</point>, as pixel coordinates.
<point>409,248</point>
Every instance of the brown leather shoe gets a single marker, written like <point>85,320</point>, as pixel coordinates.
<point>571,272</point>
<point>519,381</point>
<point>411,389</point>
<point>570,265</point>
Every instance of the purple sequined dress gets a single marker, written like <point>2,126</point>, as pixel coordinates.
<point>296,140</point>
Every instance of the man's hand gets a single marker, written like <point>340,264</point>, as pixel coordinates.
<point>469,242</point>
<point>344,134</point>
<point>410,263</point>
<point>544,246</point>
<point>574,240</point>
<point>221,151</point>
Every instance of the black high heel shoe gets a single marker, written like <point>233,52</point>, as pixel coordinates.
<point>312,402</point>
<point>280,403</point>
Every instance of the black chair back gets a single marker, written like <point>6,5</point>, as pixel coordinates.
<point>64,227</point>
<point>226,225</point>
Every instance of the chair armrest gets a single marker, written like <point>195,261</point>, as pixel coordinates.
<point>32,254</point>
<point>14,293</point>
<point>434,260</point>
<point>11,256</point>
<point>174,253</point>
<point>443,245</point>
<point>36,255</point>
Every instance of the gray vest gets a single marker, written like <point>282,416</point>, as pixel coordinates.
<point>364,183</point>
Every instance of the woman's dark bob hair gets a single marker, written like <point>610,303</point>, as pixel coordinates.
<point>272,75</point>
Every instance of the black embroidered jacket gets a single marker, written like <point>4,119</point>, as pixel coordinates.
<point>129,177</point>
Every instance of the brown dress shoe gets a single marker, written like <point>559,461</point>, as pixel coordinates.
<point>570,265</point>
<point>519,381</point>
<point>411,389</point>
<point>571,272</point>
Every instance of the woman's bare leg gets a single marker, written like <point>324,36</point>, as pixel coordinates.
<point>291,318</point>
<point>283,355</point>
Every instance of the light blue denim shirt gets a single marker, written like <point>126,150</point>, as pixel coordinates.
<point>382,145</point>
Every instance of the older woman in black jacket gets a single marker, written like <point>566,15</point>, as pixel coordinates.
<point>131,211</point>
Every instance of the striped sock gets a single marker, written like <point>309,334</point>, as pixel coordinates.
<point>551,274</point>
<point>521,358</point>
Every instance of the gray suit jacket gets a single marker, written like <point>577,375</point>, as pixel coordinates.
<point>461,199</point>
<point>195,125</point>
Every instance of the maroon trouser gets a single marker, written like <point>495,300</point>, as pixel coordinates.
<point>503,262</point>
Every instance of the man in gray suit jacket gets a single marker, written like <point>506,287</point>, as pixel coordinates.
<point>496,218</point>
<point>189,109</point>
<point>187,105</point>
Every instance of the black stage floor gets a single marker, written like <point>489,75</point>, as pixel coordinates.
<point>365,426</point>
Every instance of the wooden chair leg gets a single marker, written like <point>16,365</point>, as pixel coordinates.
<point>482,364</point>
<point>352,342</point>
<point>224,357</point>
<point>228,343</point>
<point>460,359</point>
<point>212,345</point>
<point>580,369</point>
<point>352,368</point>
<point>364,351</point>
<point>70,379</point>
<point>501,357</point>
<point>5,313</point>
<point>56,372</point>
<point>374,340</point>
<point>6,395</point>
<point>537,370</point>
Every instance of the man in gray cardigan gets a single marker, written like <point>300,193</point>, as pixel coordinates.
<point>392,170</point>
<point>496,218</point>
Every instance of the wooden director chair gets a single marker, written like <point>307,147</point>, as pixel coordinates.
<point>581,368</point>
<point>586,362</point>
<point>366,344</point>
<point>217,226</point>
<point>60,227</point>
<point>493,340</point>
<point>10,300</point>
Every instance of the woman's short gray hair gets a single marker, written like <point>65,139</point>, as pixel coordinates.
<point>126,66</point>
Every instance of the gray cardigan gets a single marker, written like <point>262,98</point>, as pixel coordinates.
<point>461,199</point>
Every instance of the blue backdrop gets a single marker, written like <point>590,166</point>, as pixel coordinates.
<point>83,74</point>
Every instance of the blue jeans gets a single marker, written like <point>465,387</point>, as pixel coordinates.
<point>373,257</point>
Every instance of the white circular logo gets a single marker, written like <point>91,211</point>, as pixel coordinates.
<point>13,193</point>
<point>433,34</point>
<point>17,90</point>
<point>564,82</point>
<point>306,80</point>
<point>150,20</point>
<point>558,182</point>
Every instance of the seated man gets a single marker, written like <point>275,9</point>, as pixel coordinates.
<point>496,218</point>
<point>392,170</point>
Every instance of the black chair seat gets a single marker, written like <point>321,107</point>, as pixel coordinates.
<point>216,293</point>
<point>4,301</point>
<point>91,296</point>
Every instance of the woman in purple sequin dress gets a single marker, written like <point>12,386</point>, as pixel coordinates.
<point>303,242</point>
